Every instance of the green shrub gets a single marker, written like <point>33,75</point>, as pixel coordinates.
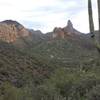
<point>9,92</point>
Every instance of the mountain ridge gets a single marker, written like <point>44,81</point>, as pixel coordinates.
<point>20,31</point>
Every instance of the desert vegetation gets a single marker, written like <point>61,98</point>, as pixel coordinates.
<point>45,68</point>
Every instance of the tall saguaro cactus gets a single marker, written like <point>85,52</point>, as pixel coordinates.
<point>91,24</point>
<point>98,2</point>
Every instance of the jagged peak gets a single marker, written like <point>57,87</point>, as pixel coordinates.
<point>69,28</point>
<point>69,24</point>
<point>66,31</point>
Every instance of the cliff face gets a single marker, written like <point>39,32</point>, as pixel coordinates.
<point>7,33</point>
<point>11,30</point>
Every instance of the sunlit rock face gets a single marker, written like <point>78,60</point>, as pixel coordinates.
<point>8,33</point>
<point>11,30</point>
<point>58,32</point>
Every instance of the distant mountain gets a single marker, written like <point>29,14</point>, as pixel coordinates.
<point>65,45</point>
<point>68,30</point>
<point>15,33</point>
<point>11,30</point>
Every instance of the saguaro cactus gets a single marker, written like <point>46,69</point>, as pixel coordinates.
<point>91,24</point>
<point>98,2</point>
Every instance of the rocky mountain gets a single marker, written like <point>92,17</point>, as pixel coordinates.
<point>68,30</point>
<point>15,33</point>
<point>60,46</point>
<point>10,31</point>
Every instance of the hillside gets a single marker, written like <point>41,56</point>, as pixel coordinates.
<point>16,65</point>
<point>60,65</point>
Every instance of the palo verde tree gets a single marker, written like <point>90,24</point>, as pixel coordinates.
<point>91,24</point>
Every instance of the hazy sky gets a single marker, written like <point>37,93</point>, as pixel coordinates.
<point>46,14</point>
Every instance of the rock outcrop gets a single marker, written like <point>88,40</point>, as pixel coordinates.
<point>11,30</point>
<point>69,28</point>
<point>8,33</point>
<point>66,31</point>
<point>58,32</point>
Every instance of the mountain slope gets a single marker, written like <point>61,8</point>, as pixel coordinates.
<point>62,64</point>
<point>15,33</point>
<point>65,52</point>
<point>16,66</point>
<point>37,49</point>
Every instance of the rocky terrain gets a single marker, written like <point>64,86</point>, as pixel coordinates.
<point>66,31</point>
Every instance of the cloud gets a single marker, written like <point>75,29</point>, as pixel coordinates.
<point>47,14</point>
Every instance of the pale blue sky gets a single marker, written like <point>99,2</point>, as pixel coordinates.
<point>47,14</point>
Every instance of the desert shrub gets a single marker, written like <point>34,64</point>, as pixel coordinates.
<point>94,94</point>
<point>70,83</point>
<point>9,92</point>
<point>82,87</point>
